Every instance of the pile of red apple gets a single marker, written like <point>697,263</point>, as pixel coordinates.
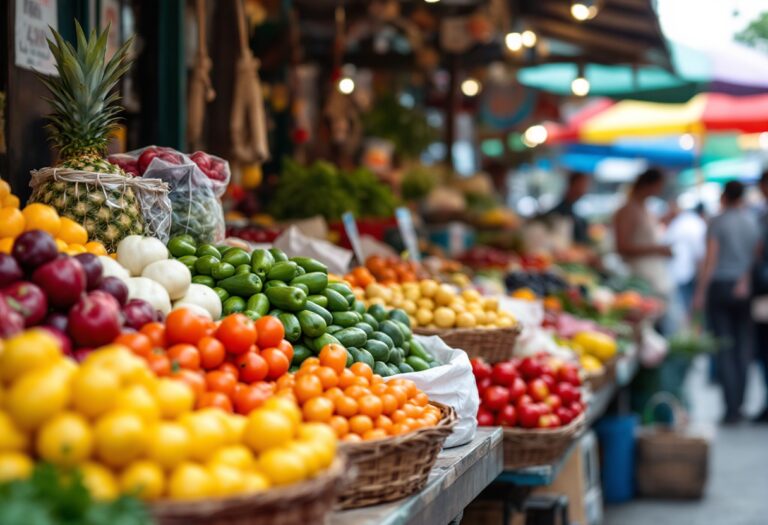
<point>213,167</point>
<point>69,296</point>
<point>535,392</point>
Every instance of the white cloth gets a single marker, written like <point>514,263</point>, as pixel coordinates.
<point>686,234</point>
<point>651,268</point>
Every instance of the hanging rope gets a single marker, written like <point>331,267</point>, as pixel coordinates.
<point>248,123</point>
<point>200,88</point>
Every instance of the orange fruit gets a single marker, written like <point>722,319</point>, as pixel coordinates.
<point>41,217</point>
<point>318,409</point>
<point>356,391</point>
<point>412,410</point>
<point>96,248</point>
<point>61,245</point>
<point>399,428</point>
<point>375,433</point>
<point>11,222</point>
<point>360,424</point>
<point>346,378</point>
<point>307,387</point>
<point>345,406</point>
<point>5,189</point>
<point>74,249</point>
<point>334,356</point>
<point>352,438</point>
<point>398,416</point>
<point>399,394</point>
<point>333,393</point>
<point>340,425</point>
<point>421,399</point>
<point>11,201</point>
<point>72,232</point>
<point>370,406</point>
<point>388,403</point>
<point>383,422</point>
<point>328,376</point>
<point>6,244</point>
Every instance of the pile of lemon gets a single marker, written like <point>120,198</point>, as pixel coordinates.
<point>434,305</point>
<point>71,237</point>
<point>129,431</point>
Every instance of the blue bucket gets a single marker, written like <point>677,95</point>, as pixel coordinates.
<point>617,450</point>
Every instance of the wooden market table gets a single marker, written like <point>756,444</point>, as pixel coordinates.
<point>459,475</point>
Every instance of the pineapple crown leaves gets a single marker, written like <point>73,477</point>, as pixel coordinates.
<point>84,103</point>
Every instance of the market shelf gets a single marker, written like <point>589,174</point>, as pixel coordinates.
<point>459,475</point>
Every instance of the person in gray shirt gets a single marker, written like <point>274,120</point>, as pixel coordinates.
<point>724,290</point>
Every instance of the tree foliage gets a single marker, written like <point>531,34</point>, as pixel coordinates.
<point>756,33</point>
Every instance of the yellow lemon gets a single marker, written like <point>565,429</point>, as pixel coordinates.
<point>72,232</point>
<point>120,437</point>
<point>267,429</point>
<point>143,479</point>
<point>190,481</point>
<point>11,436</point>
<point>169,444</point>
<point>14,465</point>
<point>99,481</point>
<point>285,406</point>
<point>5,189</point>
<point>41,217</point>
<point>94,390</point>
<point>66,440</point>
<point>29,350</point>
<point>11,222</point>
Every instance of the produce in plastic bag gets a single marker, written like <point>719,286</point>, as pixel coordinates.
<point>451,383</point>
<point>196,183</point>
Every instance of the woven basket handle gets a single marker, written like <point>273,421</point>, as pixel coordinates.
<point>679,413</point>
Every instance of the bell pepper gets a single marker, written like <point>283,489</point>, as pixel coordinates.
<point>241,285</point>
<point>287,298</point>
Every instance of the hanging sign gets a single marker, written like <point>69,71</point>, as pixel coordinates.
<point>408,233</point>
<point>350,227</point>
<point>33,17</point>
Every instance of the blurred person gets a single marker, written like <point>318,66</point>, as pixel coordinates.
<point>723,291</point>
<point>760,295</point>
<point>577,186</point>
<point>687,236</point>
<point>639,235</point>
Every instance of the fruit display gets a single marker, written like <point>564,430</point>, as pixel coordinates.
<point>358,404</point>
<point>385,270</point>
<point>535,392</point>
<point>594,349</point>
<point>314,311</point>
<point>70,236</point>
<point>231,365</point>
<point>130,431</point>
<point>433,305</point>
<point>214,168</point>
<point>68,295</point>
<point>85,115</point>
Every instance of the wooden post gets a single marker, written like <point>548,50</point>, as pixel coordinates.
<point>451,107</point>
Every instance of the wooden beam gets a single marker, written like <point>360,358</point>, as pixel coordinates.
<point>632,4</point>
<point>606,18</point>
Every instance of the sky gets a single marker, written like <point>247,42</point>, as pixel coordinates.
<point>706,23</point>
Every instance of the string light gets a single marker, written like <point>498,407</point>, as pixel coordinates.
<point>514,41</point>
<point>686,141</point>
<point>583,10</point>
<point>528,38</point>
<point>535,135</point>
<point>346,85</point>
<point>580,86</point>
<point>470,87</point>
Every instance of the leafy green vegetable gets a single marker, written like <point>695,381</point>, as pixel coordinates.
<point>56,497</point>
<point>406,128</point>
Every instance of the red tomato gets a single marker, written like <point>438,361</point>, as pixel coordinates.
<point>215,400</point>
<point>183,326</point>
<point>271,331</point>
<point>495,397</point>
<point>566,415</point>
<point>568,393</point>
<point>504,373</point>
<point>195,380</point>
<point>159,363</point>
<point>218,381</point>
<point>252,367</point>
<point>482,385</point>
<point>286,348</point>
<point>212,352</point>
<point>277,362</point>
<point>485,417</point>
<point>156,334</point>
<point>480,368</point>
<point>185,356</point>
<point>140,344</point>
<point>250,398</point>
<point>229,368</point>
<point>507,417</point>
<point>238,333</point>
<point>517,389</point>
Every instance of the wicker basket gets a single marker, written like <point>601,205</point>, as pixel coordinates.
<point>491,344</point>
<point>307,502</point>
<point>393,468</point>
<point>530,447</point>
<point>596,381</point>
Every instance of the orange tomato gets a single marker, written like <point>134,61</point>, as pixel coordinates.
<point>346,378</point>
<point>194,380</point>
<point>399,394</point>
<point>345,406</point>
<point>137,342</point>
<point>384,423</point>
<point>356,391</point>
<point>360,424</point>
<point>307,387</point>
<point>214,400</point>
<point>388,403</point>
<point>310,361</point>
<point>212,352</point>
<point>334,356</point>
<point>333,393</point>
<point>183,326</point>
<point>159,363</point>
<point>327,376</point>
<point>185,356</point>
<point>270,330</point>
<point>318,409</point>
<point>340,425</point>
<point>218,381</point>
<point>156,333</point>
<point>286,348</point>
<point>277,361</point>
<point>237,333</point>
<point>375,433</point>
<point>352,438</point>
<point>370,406</point>
<point>286,382</point>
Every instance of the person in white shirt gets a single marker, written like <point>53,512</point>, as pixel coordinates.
<point>687,236</point>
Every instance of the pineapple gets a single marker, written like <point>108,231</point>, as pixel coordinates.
<point>85,113</point>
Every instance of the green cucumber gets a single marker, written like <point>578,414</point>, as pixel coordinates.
<point>384,338</point>
<point>204,264</point>
<point>346,319</point>
<point>350,359</point>
<point>399,315</point>
<point>278,255</point>
<point>206,280</point>
<point>333,328</point>
<point>311,323</point>
<point>222,271</point>
<point>300,353</point>
<point>371,320</point>
<point>364,356</point>
<point>243,285</point>
<point>291,325</point>
<point>258,303</point>
<point>303,287</point>
<point>336,301</point>
<point>393,368</point>
<point>275,312</point>
<point>396,356</point>
<point>341,288</point>
<point>379,351</point>
<point>233,305</point>
<point>418,364</point>
<point>365,327</point>
<point>319,310</point>
<point>318,299</point>
<point>287,298</point>
<point>351,337</point>
<point>405,368</point>
<point>315,281</point>
<point>236,257</point>
<point>381,369</point>
<point>310,265</point>
<point>261,262</point>
<point>418,350</point>
<point>359,307</point>
<point>393,331</point>
<point>379,312</point>
<point>282,271</point>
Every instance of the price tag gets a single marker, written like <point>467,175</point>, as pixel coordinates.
<point>408,233</point>
<point>350,227</point>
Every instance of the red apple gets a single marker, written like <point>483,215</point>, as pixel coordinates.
<point>202,159</point>
<point>504,373</point>
<point>549,380</point>
<point>495,397</point>
<point>12,321</point>
<point>482,386</point>
<point>507,416</point>
<point>95,319</point>
<point>517,389</point>
<point>554,402</point>
<point>480,368</point>
<point>530,368</point>
<point>577,407</point>
<point>565,414</point>
<point>63,280</point>
<point>549,421</point>
<point>538,390</point>
<point>28,300</point>
<point>10,272</point>
<point>525,399</point>
<point>34,248</point>
<point>569,373</point>
<point>485,417</point>
<point>568,393</point>
<point>145,159</point>
<point>528,415</point>
<point>546,369</point>
<point>93,269</point>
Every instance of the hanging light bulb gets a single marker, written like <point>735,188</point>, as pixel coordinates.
<point>580,85</point>
<point>583,10</point>
<point>535,135</point>
<point>514,41</point>
<point>431,1</point>
<point>346,85</point>
<point>470,87</point>
<point>528,38</point>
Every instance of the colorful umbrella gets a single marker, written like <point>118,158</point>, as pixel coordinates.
<point>732,68</point>
<point>705,112</point>
<point>746,169</point>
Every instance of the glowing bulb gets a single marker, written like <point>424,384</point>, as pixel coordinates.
<point>580,86</point>
<point>346,85</point>
<point>431,1</point>
<point>528,38</point>
<point>581,11</point>
<point>514,41</point>
<point>535,135</point>
<point>686,141</point>
<point>470,87</point>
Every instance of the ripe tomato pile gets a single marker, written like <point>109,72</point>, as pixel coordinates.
<point>355,402</point>
<point>535,392</point>
<point>230,365</point>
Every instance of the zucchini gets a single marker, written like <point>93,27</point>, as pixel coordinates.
<point>371,320</point>
<point>393,331</point>
<point>346,319</point>
<point>318,299</point>
<point>291,325</point>
<point>316,282</point>
<point>379,351</point>
<point>311,323</point>
<point>384,338</point>
<point>310,265</point>
<point>319,310</point>
<point>365,327</point>
<point>336,301</point>
<point>351,337</point>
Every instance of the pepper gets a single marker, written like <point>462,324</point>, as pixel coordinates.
<point>242,285</point>
<point>261,262</point>
<point>310,264</point>
<point>181,246</point>
<point>204,265</point>
<point>188,261</point>
<point>282,271</point>
<point>258,303</point>
<point>222,271</point>
<point>236,257</point>
<point>287,298</point>
<point>208,249</point>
